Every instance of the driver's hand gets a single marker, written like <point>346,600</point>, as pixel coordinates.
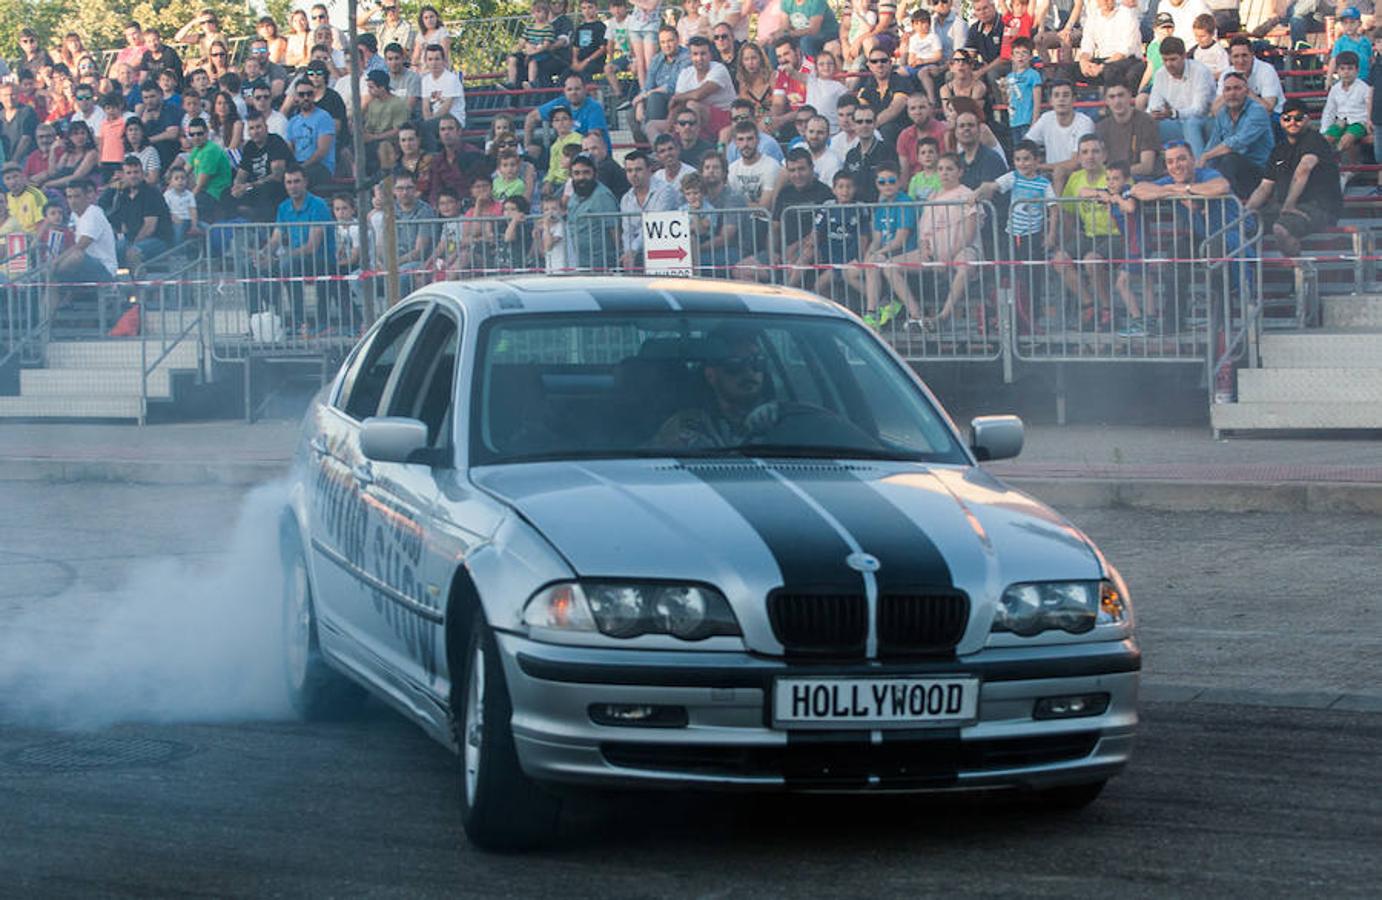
<point>763,416</point>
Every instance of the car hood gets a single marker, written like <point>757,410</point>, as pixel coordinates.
<point>750,527</point>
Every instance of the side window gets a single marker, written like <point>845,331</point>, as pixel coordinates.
<point>425,384</point>
<point>369,372</point>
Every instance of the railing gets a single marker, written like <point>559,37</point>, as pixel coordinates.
<point>170,304</point>
<point>922,271</point>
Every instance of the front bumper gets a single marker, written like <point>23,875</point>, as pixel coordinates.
<point>728,741</point>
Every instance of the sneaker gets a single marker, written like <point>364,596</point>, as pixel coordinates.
<point>872,320</point>
<point>890,312</point>
<point>1134,328</point>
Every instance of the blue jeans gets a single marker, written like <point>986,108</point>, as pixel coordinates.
<point>1301,26</point>
<point>147,249</point>
<point>1191,129</point>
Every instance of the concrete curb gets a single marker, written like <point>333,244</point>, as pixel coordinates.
<point>1061,493</point>
<point>1153,691</point>
<point>158,472</point>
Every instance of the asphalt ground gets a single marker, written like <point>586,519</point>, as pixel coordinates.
<point>139,756</point>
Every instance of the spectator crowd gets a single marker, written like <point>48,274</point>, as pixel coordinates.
<point>894,126</point>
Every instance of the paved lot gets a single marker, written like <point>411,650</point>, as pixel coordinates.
<point>138,604</point>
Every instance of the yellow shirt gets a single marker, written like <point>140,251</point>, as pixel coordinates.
<point>556,167</point>
<point>27,207</point>
<point>1094,216</point>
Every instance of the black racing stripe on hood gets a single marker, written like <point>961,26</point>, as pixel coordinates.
<point>709,302</point>
<point>808,550</point>
<point>615,300</point>
<point>908,557</point>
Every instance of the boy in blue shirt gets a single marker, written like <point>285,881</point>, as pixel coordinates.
<point>1352,39</point>
<point>842,238</point>
<point>1023,87</point>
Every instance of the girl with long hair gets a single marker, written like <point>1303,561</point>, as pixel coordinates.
<point>430,30</point>
<point>298,52</point>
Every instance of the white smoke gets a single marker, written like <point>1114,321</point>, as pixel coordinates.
<point>178,641</point>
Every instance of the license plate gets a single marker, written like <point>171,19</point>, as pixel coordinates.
<point>874,702</point>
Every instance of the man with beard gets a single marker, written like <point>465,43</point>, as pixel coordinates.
<point>211,172</point>
<point>590,232</point>
<point>643,196</point>
<point>586,111</point>
<point>823,159</point>
<point>258,187</point>
<point>162,124</point>
<point>404,83</point>
<point>1299,194</point>
<point>312,136</point>
<point>610,173</point>
<point>687,131</point>
<point>737,234</point>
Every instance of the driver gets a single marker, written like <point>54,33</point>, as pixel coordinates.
<point>734,370</point>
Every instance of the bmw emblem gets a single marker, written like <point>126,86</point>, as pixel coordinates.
<point>863,562</point>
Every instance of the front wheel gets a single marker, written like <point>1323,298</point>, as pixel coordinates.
<point>502,809</point>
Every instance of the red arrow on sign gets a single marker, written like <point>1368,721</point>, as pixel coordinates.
<point>675,253</point>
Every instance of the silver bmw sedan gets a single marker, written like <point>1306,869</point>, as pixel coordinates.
<point>671,533</point>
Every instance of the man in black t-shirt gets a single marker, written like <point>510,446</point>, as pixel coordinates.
<point>886,92</point>
<point>797,226</point>
<point>258,186</point>
<point>157,55</point>
<point>138,216</point>
<point>1299,194</point>
<point>866,153</point>
<point>588,43</point>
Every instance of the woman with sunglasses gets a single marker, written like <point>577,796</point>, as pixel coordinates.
<point>267,28</point>
<point>430,31</point>
<point>218,60</point>
<point>298,51</point>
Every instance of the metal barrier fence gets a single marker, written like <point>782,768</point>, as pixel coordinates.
<point>922,272</point>
<point>1099,279</point>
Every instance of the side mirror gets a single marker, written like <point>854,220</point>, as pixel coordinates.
<point>995,437</point>
<point>392,439</point>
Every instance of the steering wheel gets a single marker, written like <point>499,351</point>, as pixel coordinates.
<point>815,426</point>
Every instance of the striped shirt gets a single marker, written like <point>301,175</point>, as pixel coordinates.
<point>1025,219</point>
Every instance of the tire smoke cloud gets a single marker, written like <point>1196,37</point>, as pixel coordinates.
<point>179,640</point>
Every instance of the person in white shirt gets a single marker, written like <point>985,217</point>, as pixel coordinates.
<point>823,159</point>
<point>88,110</point>
<point>1347,118</point>
<point>705,88</point>
<point>1058,132</point>
<point>671,170</point>
<point>1111,46</point>
<point>643,196</point>
<point>1183,13</point>
<point>1182,93</point>
<point>262,99</point>
<point>1264,86</point>
<point>754,175</point>
<point>92,257</point>
<point>1206,49</point>
<point>441,89</point>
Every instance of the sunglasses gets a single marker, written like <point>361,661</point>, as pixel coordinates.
<point>259,51</point>
<point>89,96</point>
<point>688,122</point>
<point>319,18</point>
<point>1294,117</point>
<point>863,121</point>
<point>878,60</point>
<point>740,118</point>
<point>722,37</point>
<point>306,95</point>
<point>191,133</point>
<point>886,180</point>
<point>218,53</point>
<point>738,365</point>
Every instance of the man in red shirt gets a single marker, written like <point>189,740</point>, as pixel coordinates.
<point>920,111</point>
<point>789,93</point>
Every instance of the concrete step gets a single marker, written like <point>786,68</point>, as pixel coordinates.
<point>1311,349</point>
<point>1295,416</point>
<point>1344,311</point>
<point>72,406</point>
<point>1310,386</point>
<point>114,354</point>
<point>94,382</point>
<point>225,321</point>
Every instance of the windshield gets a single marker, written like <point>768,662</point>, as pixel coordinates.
<point>657,385</point>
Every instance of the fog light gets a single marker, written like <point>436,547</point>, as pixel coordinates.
<point>638,715</point>
<point>1072,707</point>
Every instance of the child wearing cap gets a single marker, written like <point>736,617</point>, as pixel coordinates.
<point>1165,27</point>
<point>1351,40</point>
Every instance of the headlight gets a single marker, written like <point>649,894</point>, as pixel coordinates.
<point>627,609</point>
<point>1071,606</point>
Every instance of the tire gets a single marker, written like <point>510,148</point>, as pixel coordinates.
<point>502,809</point>
<point>316,690</point>
<point>1071,797</point>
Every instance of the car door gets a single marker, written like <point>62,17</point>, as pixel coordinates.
<point>405,577</point>
<point>339,510</point>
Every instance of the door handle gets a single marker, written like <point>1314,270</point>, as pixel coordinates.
<point>318,446</point>
<point>364,473</point>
